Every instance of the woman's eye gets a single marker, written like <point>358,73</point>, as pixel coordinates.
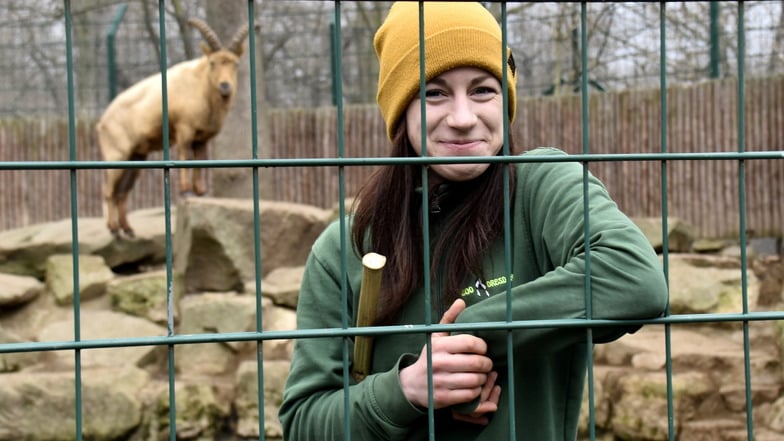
<point>433,93</point>
<point>485,90</point>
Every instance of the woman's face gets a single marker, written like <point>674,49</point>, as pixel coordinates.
<point>464,111</point>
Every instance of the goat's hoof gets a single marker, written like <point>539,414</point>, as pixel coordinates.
<point>129,233</point>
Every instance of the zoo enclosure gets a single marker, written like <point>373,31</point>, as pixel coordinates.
<point>739,158</point>
<point>296,54</point>
<point>703,119</point>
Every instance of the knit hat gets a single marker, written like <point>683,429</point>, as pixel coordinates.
<point>456,34</point>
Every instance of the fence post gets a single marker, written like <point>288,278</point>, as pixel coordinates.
<point>112,64</point>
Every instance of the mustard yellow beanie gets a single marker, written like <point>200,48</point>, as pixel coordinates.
<point>456,34</point>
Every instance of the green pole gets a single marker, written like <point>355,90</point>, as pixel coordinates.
<point>714,39</point>
<point>110,34</point>
<point>334,59</point>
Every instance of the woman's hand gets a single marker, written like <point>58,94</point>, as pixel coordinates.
<point>461,371</point>
<point>488,403</point>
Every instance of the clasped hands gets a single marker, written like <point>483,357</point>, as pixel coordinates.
<point>461,372</point>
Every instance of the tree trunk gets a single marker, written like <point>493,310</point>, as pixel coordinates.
<point>234,141</point>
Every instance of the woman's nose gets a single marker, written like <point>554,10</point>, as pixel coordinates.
<point>462,114</point>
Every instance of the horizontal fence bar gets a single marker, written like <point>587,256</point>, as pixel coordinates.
<point>339,162</point>
<point>384,330</point>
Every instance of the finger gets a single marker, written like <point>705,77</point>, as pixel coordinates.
<point>480,420</point>
<point>459,344</point>
<point>451,314</point>
<point>484,409</point>
<point>461,381</point>
<point>489,385</point>
<point>490,405</point>
<point>495,395</point>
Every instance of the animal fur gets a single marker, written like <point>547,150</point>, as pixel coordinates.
<point>200,94</point>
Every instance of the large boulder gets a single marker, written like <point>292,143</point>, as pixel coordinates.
<point>214,313</point>
<point>216,255</point>
<point>93,274</point>
<point>41,406</point>
<point>145,295</point>
<point>200,415</point>
<point>24,251</point>
<point>102,325</point>
<point>16,290</point>
<point>679,234</point>
<point>228,313</point>
<point>247,398</point>
<point>14,361</point>
<point>708,284</point>
<point>281,285</point>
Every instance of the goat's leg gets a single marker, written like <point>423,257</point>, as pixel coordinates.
<point>122,190</point>
<point>184,137</point>
<point>199,153</point>
<point>110,200</point>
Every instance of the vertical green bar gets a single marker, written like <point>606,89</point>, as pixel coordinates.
<point>426,224</point>
<point>665,228</point>
<point>254,137</point>
<point>338,88</point>
<point>167,222</point>
<point>74,219</point>
<point>512,432</point>
<point>586,213</point>
<point>742,215</point>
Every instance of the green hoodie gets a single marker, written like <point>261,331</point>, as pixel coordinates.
<point>548,282</point>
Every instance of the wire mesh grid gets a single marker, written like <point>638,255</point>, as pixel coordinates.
<point>173,340</point>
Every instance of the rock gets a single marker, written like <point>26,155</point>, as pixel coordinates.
<point>93,277</point>
<point>215,389</point>
<point>145,295</point>
<point>101,325</point>
<point>227,313</point>
<point>601,404</point>
<point>10,362</point>
<point>709,245</point>
<point>24,251</point>
<point>247,400</point>
<point>281,285</point>
<point>40,406</point>
<point>775,415</point>
<point>16,290</point>
<point>711,289</point>
<point>215,313</point>
<point>148,244</point>
<point>639,402</point>
<point>770,272</point>
<point>226,256</point>
<point>200,414</point>
<point>278,319</point>
<point>679,234</point>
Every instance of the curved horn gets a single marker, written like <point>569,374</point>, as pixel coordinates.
<point>236,41</point>
<point>206,31</point>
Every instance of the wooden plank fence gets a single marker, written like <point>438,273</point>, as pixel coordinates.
<point>700,118</point>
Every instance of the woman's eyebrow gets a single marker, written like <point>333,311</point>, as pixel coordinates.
<point>438,81</point>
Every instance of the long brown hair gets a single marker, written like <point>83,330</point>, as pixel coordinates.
<point>388,220</point>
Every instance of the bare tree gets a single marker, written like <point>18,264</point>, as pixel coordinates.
<point>235,140</point>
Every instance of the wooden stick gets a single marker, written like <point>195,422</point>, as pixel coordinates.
<point>372,271</point>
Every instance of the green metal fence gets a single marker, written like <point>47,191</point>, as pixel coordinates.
<point>172,340</point>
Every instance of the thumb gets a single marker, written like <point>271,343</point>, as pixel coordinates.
<point>451,314</point>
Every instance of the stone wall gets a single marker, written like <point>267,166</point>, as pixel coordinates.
<point>122,294</point>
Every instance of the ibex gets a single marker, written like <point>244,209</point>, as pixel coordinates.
<point>200,94</point>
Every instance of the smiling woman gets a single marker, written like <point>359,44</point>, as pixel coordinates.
<point>456,213</point>
<point>464,110</point>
